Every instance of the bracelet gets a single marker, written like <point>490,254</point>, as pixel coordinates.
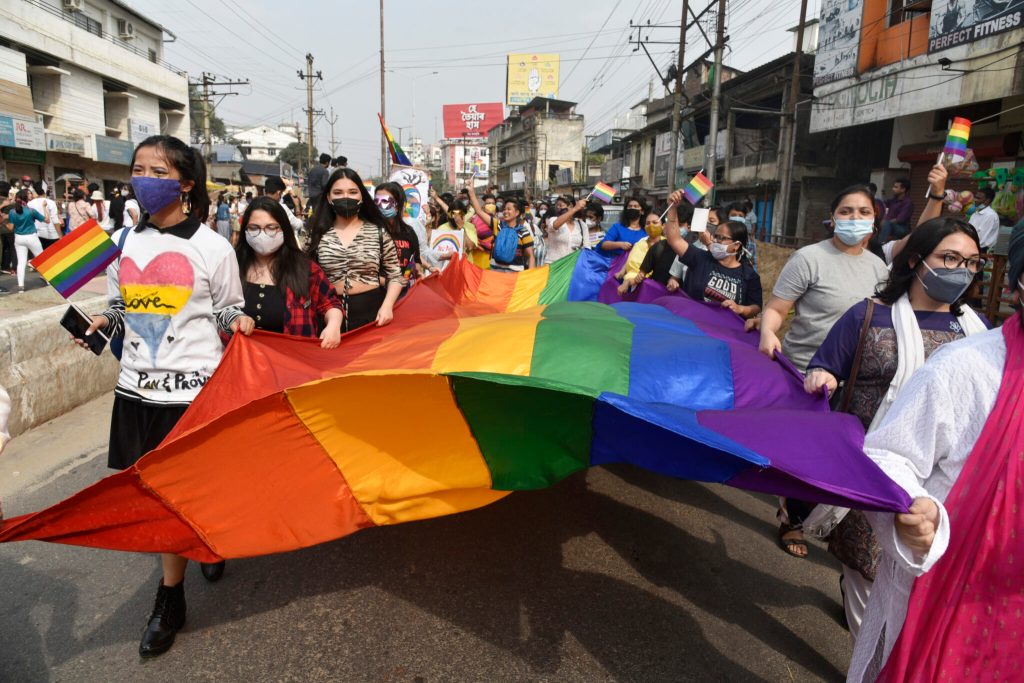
<point>937,197</point>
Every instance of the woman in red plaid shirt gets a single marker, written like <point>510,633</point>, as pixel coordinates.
<point>285,291</point>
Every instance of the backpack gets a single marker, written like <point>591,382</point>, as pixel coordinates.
<point>117,340</point>
<point>506,244</point>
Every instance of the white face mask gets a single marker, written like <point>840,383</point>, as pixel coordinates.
<point>719,251</point>
<point>591,224</point>
<point>264,244</point>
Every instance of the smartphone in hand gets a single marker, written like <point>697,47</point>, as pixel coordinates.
<point>77,322</point>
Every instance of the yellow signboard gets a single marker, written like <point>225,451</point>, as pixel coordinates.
<point>529,76</point>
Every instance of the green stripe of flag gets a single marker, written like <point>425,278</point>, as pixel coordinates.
<point>84,263</point>
<point>584,344</point>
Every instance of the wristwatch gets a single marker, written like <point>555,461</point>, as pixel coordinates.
<point>937,197</point>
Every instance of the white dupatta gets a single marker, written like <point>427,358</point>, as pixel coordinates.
<point>910,356</point>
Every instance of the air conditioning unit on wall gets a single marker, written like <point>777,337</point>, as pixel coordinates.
<point>125,29</point>
<point>73,5</point>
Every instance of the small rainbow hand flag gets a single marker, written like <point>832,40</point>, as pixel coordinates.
<point>603,193</point>
<point>76,258</point>
<point>698,186</point>
<point>956,140</point>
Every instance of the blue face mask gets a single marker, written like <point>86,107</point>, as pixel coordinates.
<point>740,219</point>
<point>852,231</point>
<point>156,194</point>
<point>389,212</point>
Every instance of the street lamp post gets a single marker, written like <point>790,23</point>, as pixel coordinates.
<point>413,81</point>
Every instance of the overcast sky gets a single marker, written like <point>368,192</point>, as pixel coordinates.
<point>464,42</point>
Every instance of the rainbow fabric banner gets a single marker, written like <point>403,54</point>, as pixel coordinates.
<point>398,155</point>
<point>604,193</point>
<point>956,140</point>
<point>76,258</point>
<point>520,383</point>
<point>698,186</point>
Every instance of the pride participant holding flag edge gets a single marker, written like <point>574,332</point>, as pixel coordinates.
<point>174,288</point>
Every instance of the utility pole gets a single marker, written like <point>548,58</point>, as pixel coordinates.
<point>205,82</point>
<point>710,150</point>
<point>333,120</point>
<point>383,141</point>
<point>677,100</point>
<point>310,77</point>
<point>787,147</point>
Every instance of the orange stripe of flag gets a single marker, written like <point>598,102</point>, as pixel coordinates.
<point>69,256</point>
<point>86,231</point>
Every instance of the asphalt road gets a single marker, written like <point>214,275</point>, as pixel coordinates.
<point>614,574</point>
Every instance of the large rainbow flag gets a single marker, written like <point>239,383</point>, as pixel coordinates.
<point>76,258</point>
<point>520,379</point>
<point>398,155</point>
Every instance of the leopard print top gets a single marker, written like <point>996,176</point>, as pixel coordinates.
<point>362,261</point>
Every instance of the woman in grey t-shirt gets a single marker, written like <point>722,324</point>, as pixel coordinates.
<point>821,282</point>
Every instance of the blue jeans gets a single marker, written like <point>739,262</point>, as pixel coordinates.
<point>894,231</point>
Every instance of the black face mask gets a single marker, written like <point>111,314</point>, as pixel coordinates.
<point>630,215</point>
<point>346,207</point>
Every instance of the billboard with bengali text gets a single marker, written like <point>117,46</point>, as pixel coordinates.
<point>529,76</point>
<point>471,120</point>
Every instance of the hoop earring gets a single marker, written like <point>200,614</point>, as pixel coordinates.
<point>186,205</point>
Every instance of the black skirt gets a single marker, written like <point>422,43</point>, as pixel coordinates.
<point>136,428</point>
<point>361,309</point>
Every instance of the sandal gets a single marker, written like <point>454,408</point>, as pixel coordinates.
<point>787,544</point>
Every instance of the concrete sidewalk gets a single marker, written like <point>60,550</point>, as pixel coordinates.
<point>39,295</point>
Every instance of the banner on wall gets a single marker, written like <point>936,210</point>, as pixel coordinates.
<point>529,76</point>
<point>471,120</point>
<point>958,22</point>
<point>416,183</point>
<point>838,40</point>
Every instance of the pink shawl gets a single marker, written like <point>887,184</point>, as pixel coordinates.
<point>966,616</point>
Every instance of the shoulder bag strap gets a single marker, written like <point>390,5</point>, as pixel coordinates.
<point>852,381</point>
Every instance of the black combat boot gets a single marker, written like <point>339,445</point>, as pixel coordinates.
<point>212,571</point>
<point>167,619</point>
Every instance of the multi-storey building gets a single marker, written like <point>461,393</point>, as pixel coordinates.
<point>81,83</point>
<point>531,146</point>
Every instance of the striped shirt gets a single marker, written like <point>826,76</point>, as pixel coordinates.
<point>371,256</point>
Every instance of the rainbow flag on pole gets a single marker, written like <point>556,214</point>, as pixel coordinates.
<point>698,186</point>
<point>398,155</point>
<point>76,258</point>
<point>956,140</point>
<point>604,193</point>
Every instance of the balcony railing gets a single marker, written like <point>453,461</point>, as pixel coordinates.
<point>70,17</point>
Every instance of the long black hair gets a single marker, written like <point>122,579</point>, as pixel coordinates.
<point>290,268</point>
<point>323,214</point>
<point>393,225</point>
<point>190,166</point>
<point>922,242</point>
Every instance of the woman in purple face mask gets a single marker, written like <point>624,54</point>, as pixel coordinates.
<point>174,288</point>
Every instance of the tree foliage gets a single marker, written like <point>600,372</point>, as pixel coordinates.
<point>195,113</point>
<point>296,154</point>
